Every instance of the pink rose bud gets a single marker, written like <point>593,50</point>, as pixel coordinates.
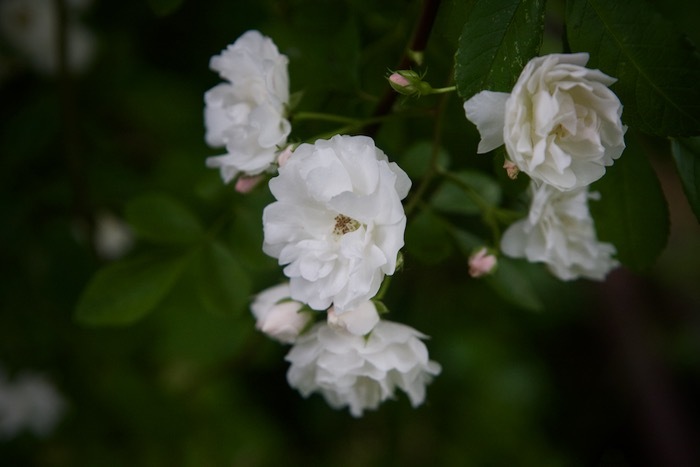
<point>246,184</point>
<point>511,169</point>
<point>399,80</point>
<point>285,155</point>
<point>481,263</point>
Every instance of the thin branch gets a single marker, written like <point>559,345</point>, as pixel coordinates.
<point>418,43</point>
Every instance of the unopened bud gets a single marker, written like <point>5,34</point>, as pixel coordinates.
<point>511,169</point>
<point>399,80</point>
<point>481,263</point>
<point>245,184</point>
<point>278,316</point>
<point>409,83</point>
<point>285,155</point>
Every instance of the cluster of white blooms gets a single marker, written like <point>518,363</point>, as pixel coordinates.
<point>29,402</point>
<point>561,125</point>
<point>336,225</point>
<point>246,114</point>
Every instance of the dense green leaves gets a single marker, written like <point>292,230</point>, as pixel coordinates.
<point>632,213</point>
<point>162,219</point>
<point>686,152</point>
<point>475,191</point>
<point>223,285</point>
<point>498,39</point>
<point>124,291</point>
<point>164,7</point>
<point>657,68</point>
<point>415,161</point>
<point>427,238</point>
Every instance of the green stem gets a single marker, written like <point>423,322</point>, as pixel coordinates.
<point>481,203</point>
<point>443,90</point>
<point>324,117</point>
<point>384,287</point>
<point>432,171</point>
<point>356,124</point>
<point>492,215</point>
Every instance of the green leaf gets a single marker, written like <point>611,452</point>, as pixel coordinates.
<point>427,239</point>
<point>513,284</point>
<point>415,161</point>
<point>686,152</point>
<point>455,199</point>
<point>657,68</point>
<point>162,219</point>
<point>632,213</point>
<point>165,7</point>
<point>125,291</point>
<point>223,285</point>
<point>510,280</point>
<point>498,39</point>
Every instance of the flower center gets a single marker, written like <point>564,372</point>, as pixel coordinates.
<point>561,132</point>
<point>345,224</point>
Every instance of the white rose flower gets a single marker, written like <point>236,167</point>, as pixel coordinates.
<point>277,316</point>
<point>560,124</point>
<point>559,232</point>
<point>361,372</point>
<point>338,222</point>
<point>246,115</point>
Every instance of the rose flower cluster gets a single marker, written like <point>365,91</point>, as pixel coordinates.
<point>337,223</point>
<point>561,126</point>
<point>337,226</point>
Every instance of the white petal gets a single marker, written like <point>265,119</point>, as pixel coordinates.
<point>487,111</point>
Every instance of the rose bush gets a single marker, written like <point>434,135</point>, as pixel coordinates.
<point>559,231</point>
<point>338,222</point>
<point>247,114</point>
<point>361,372</point>
<point>561,124</point>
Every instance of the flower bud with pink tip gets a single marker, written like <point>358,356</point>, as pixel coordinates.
<point>511,169</point>
<point>285,155</point>
<point>409,83</point>
<point>246,184</point>
<point>481,263</point>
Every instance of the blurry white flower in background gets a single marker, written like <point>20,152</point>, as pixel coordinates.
<point>31,27</point>
<point>338,222</point>
<point>559,231</point>
<point>29,402</point>
<point>360,372</point>
<point>247,114</point>
<point>113,237</point>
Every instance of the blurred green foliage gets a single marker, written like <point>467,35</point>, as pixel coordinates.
<point>193,383</point>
